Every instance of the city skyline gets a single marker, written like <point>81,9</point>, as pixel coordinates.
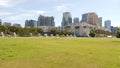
<point>20,10</point>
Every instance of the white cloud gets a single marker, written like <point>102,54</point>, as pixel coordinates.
<point>4,3</point>
<point>19,17</point>
<point>5,13</point>
<point>63,7</point>
<point>26,14</point>
<point>10,3</point>
<point>36,11</point>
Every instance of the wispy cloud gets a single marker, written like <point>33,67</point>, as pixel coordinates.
<point>5,13</point>
<point>19,16</point>
<point>10,3</point>
<point>26,14</point>
<point>35,11</point>
<point>63,7</point>
<point>4,3</point>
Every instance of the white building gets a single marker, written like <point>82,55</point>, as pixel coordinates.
<point>80,29</point>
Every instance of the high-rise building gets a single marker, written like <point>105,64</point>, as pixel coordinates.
<point>67,19</point>
<point>41,20</point>
<point>108,25</point>
<point>49,21</point>
<point>76,20</point>
<point>0,21</point>
<point>90,18</point>
<point>7,24</point>
<point>114,29</point>
<point>30,23</point>
<point>17,25</point>
<point>100,21</point>
<point>45,21</point>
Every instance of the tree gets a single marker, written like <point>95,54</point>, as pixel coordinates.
<point>64,32</point>
<point>39,30</point>
<point>33,31</point>
<point>14,29</point>
<point>24,32</point>
<point>92,32</point>
<point>118,33</point>
<point>3,29</point>
<point>54,31</point>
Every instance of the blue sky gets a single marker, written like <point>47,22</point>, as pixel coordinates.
<point>17,11</point>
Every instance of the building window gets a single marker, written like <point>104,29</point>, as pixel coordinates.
<point>84,26</point>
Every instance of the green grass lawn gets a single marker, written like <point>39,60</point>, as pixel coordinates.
<point>59,52</point>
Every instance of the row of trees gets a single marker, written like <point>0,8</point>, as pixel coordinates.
<point>99,33</point>
<point>19,30</point>
<point>54,31</point>
<point>35,31</point>
<point>27,31</point>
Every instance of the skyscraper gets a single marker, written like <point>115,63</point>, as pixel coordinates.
<point>45,21</point>
<point>108,24</point>
<point>30,23</point>
<point>76,20</point>
<point>41,21</point>
<point>100,21</point>
<point>67,19</point>
<point>49,21</point>
<point>91,18</point>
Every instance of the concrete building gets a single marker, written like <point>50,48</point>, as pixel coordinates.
<point>108,25</point>
<point>30,23</point>
<point>80,29</point>
<point>45,21</point>
<point>17,25</point>
<point>100,21</point>
<point>76,20</point>
<point>90,18</point>
<point>67,19</point>
<point>7,24</point>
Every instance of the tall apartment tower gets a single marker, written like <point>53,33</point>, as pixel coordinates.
<point>45,21</point>
<point>30,23</point>
<point>41,21</point>
<point>108,25</point>
<point>91,18</point>
<point>67,18</point>
<point>49,21</point>
<point>76,20</point>
<point>100,21</point>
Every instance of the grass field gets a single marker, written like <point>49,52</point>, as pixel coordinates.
<point>59,53</point>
